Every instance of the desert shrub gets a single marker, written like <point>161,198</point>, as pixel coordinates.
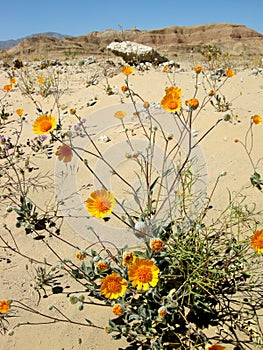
<point>186,267</point>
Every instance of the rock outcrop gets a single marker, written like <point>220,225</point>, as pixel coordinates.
<point>134,53</point>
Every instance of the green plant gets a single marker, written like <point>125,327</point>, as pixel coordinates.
<point>190,266</point>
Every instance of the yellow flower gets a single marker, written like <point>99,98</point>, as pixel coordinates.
<point>120,114</point>
<point>64,153</point>
<point>20,112</point>
<point>12,81</point>
<point>4,306</point>
<point>128,259</point>
<point>257,241</point>
<point>172,99</point>
<point>127,70</point>
<point>44,124</point>
<point>100,204</point>
<point>103,265</point>
<point>113,286</point>
<point>230,73</point>
<point>174,90</point>
<point>216,347</point>
<point>117,309</point>
<point>256,119</point>
<point>41,80</point>
<point>7,88</point>
<point>198,69</point>
<point>156,245</point>
<point>143,273</point>
<point>80,256</point>
<point>193,103</point>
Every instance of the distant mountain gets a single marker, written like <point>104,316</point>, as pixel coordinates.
<point>170,41</point>
<point>6,44</point>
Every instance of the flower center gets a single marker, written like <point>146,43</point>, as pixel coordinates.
<point>173,104</point>
<point>144,274</point>
<point>103,206</point>
<point>114,286</point>
<point>46,125</point>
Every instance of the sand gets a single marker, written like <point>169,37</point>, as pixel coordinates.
<point>218,150</point>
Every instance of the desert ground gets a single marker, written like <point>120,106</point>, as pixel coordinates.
<point>221,154</point>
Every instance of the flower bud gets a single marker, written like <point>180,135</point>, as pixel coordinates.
<point>81,307</point>
<point>9,208</point>
<point>11,332</point>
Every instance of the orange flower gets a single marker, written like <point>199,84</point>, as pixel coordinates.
<point>174,90</point>
<point>172,99</point>
<point>20,112</point>
<point>120,114</point>
<point>156,245</point>
<point>127,70</point>
<point>7,88</point>
<point>80,256</point>
<point>100,204</point>
<point>44,124</point>
<point>193,103</point>
<point>198,69</point>
<point>4,306</point>
<point>117,309</point>
<point>143,273</point>
<point>230,73</point>
<point>165,69</point>
<point>41,80</point>
<point>72,111</point>
<point>103,265</point>
<point>216,347</point>
<point>257,241</point>
<point>12,81</point>
<point>211,92</point>
<point>256,119</point>
<point>128,259</point>
<point>113,286</point>
<point>124,88</point>
<point>64,153</point>
<point>146,104</point>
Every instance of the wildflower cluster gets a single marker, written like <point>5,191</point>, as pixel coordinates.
<point>188,269</point>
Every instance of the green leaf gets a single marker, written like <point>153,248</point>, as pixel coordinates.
<point>116,336</point>
<point>89,322</point>
<point>256,181</point>
<point>154,183</point>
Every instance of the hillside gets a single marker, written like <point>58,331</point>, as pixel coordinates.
<point>171,41</point>
<point>7,44</point>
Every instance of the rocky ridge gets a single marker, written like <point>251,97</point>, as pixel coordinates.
<point>170,41</point>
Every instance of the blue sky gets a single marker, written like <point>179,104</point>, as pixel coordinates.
<point>21,18</point>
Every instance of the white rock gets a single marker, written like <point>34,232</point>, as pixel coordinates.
<point>134,53</point>
<point>103,139</point>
